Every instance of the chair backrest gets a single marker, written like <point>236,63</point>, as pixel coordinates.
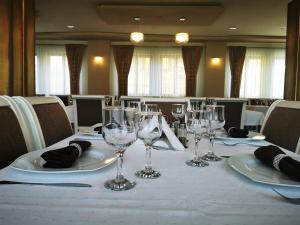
<point>66,99</point>
<point>234,111</point>
<point>47,116</point>
<point>165,105</point>
<point>87,110</point>
<point>14,139</point>
<point>282,125</point>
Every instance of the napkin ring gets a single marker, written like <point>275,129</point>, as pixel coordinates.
<point>78,147</point>
<point>277,160</point>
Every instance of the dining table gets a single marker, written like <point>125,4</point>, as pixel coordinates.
<point>212,195</point>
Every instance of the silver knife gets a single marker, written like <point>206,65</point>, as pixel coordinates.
<point>4,182</point>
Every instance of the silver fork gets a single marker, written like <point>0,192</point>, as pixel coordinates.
<point>292,200</point>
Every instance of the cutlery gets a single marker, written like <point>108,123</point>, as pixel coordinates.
<point>163,148</point>
<point>7,182</point>
<point>290,199</point>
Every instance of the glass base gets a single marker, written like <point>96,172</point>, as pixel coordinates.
<point>147,174</point>
<point>211,157</point>
<point>119,184</point>
<point>196,163</point>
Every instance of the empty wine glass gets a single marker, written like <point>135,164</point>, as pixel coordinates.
<point>145,107</point>
<point>119,130</point>
<point>216,121</point>
<point>197,122</point>
<point>178,111</point>
<point>150,130</point>
<point>107,100</point>
<point>135,104</point>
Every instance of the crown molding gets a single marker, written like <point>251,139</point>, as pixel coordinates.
<point>115,37</point>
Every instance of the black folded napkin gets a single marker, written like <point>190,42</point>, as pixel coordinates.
<point>99,129</point>
<point>237,132</point>
<point>272,156</point>
<point>65,157</point>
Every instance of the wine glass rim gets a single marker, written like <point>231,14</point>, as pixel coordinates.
<point>215,106</point>
<point>119,108</point>
<point>151,113</point>
<point>198,110</point>
<point>179,104</point>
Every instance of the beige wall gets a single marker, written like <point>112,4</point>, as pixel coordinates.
<point>214,76</point>
<point>98,73</point>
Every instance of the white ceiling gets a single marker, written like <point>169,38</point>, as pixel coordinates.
<point>252,17</point>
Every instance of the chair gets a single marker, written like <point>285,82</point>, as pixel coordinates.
<point>66,99</point>
<point>87,111</point>
<point>282,125</point>
<point>234,111</point>
<point>14,138</point>
<point>47,118</point>
<point>165,105</point>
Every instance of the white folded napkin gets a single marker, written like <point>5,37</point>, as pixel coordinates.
<point>172,139</point>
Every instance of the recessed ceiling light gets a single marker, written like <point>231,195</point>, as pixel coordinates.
<point>136,18</point>
<point>182,19</point>
<point>70,26</point>
<point>232,28</point>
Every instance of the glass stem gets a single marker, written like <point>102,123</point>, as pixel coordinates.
<point>196,152</point>
<point>148,166</point>
<point>120,177</point>
<point>211,142</point>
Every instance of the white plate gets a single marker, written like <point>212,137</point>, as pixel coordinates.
<point>251,167</point>
<point>93,159</point>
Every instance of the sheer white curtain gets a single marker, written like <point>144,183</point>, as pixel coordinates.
<point>156,71</point>
<point>263,73</point>
<point>52,72</point>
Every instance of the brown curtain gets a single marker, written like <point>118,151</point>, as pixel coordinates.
<point>236,61</point>
<point>123,57</point>
<point>74,55</point>
<point>17,47</point>
<point>191,58</point>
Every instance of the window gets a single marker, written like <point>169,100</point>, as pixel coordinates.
<point>156,72</point>
<point>52,73</point>
<point>263,73</point>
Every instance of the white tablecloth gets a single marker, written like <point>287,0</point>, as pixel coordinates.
<point>182,195</point>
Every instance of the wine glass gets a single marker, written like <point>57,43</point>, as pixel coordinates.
<point>150,130</point>
<point>197,122</point>
<point>178,111</point>
<point>119,130</point>
<point>135,104</point>
<point>216,121</point>
<point>107,100</point>
<point>145,107</point>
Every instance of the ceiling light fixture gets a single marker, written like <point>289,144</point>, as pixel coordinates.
<point>70,26</point>
<point>182,19</point>
<point>182,38</point>
<point>232,28</point>
<point>136,37</point>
